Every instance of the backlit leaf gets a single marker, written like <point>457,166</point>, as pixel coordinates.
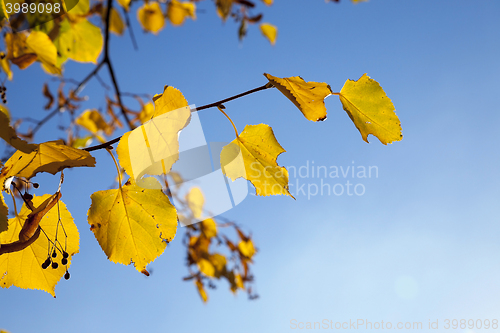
<point>45,50</point>
<point>9,135</point>
<point>252,156</point>
<point>246,248</point>
<point>171,99</point>
<point>132,224</point>
<point>151,17</point>
<point>152,148</point>
<point>201,290</point>
<point>209,228</point>
<point>81,41</point>
<point>52,157</point>
<point>23,269</point>
<point>93,121</point>
<point>371,110</point>
<point>307,96</point>
<point>178,11</point>
<point>269,31</point>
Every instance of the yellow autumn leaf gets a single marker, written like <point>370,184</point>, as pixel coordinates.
<point>81,41</point>
<point>45,50</point>
<point>307,96</point>
<point>116,24</point>
<point>9,135</point>
<point>152,148</point>
<point>246,248</point>
<point>268,2</point>
<point>201,291</point>
<point>269,31</point>
<point>171,99</point>
<point>206,267</point>
<point>259,150</point>
<point>132,224</point>
<point>195,201</point>
<point>4,211</point>
<point>52,157</point>
<point>239,281</point>
<point>178,11</point>
<point>151,17</point>
<point>209,228</point>
<point>224,8</point>
<point>371,110</point>
<point>93,122</point>
<point>23,268</point>
<point>125,4</point>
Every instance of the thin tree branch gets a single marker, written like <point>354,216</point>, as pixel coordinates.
<point>203,107</point>
<point>107,60</point>
<point>131,32</point>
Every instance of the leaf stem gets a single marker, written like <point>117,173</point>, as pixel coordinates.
<point>235,130</point>
<point>117,168</point>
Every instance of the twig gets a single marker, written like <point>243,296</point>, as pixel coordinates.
<point>60,107</point>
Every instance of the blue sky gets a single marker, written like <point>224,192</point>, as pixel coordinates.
<point>422,242</point>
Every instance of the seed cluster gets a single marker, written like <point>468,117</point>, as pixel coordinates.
<point>50,261</point>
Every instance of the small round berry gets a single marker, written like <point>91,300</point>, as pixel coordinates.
<point>66,276</point>
<point>45,265</point>
<point>55,265</point>
<point>54,254</point>
<point>35,185</point>
<point>65,254</point>
<point>27,196</point>
<point>64,261</point>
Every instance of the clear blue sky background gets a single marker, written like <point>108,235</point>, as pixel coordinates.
<point>421,244</point>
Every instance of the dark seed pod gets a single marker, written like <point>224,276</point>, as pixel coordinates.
<point>55,265</point>
<point>64,261</point>
<point>27,196</point>
<point>45,265</point>
<point>54,254</point>
<point>65,254</point>
<point>66,276</point>
<point>35,185</point>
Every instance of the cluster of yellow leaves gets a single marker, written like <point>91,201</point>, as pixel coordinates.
<point>252,155</point>
<point>152,18</point>
<point>364,100</point>
<point>23,267</point>
<point>207,265</point>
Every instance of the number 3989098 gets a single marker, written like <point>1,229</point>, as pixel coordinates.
<point>41,8</point>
